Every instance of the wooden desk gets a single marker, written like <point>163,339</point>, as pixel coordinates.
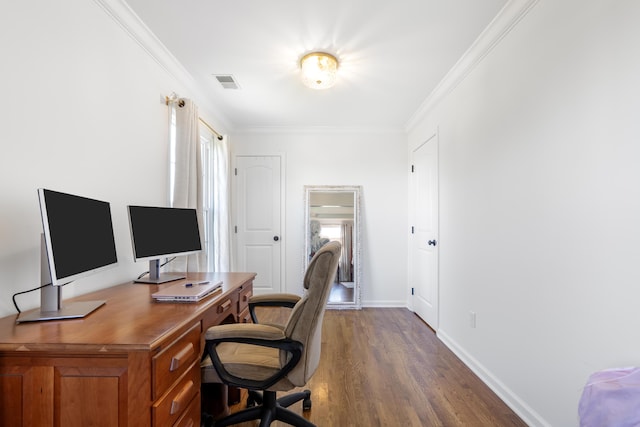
<point>132,362</point>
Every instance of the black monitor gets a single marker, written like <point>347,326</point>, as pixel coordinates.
<point>77,241</point>
<point>160,232</point>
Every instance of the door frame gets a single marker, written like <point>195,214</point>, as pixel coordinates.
<point>433,135</point>
<point>234,211</point>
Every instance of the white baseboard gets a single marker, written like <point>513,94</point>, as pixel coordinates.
<point>385,304</point>
<point>524,411</point>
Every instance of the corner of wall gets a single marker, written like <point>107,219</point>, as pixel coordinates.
<point>501,25</point>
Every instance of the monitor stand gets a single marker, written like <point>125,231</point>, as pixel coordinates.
<point>51,307</point>
<point>155,277</point>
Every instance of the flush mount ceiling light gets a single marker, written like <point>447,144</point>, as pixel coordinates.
<point>319,70</point>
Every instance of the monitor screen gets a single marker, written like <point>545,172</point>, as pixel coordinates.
<point>158,232</point>
<point>162,232</point>
<point>78,235</point>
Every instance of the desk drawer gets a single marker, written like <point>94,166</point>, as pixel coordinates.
<point>174,360</point>
<point>244,316</point>
<point>177,401</point>
<point>191,417</point>
<point>243,301</point>
<point>225,307</point>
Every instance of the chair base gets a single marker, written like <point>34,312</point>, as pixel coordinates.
<point>269,409</point>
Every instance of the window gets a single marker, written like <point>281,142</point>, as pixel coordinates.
<point>206,152</point>
<point>172,153</point>
<point>208,205</point>
<point>331,231</point>
<point>213,183</point>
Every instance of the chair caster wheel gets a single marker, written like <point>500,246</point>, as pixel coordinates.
<point>251,402</point>
<point>253,399</point>
<point>208,420</point>
<point>306,402</point>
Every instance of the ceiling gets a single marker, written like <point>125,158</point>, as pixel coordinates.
<point>392,55</point>
<point>331,205</point>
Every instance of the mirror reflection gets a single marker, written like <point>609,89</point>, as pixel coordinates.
<point>332,215</point>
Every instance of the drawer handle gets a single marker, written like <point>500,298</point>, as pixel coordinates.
<point>224,306</point>
<point>178,401</point>
<point>181,357</point>
<point>246,296</point>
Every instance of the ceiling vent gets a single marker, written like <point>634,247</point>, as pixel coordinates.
<point>227,81</point>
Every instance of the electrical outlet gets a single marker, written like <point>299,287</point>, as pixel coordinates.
<point>472,319</point>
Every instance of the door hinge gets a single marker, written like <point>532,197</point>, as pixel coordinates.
<point>412,230</point>
<point>412,170</point>
<point>412,291</point>
<point>235,229</point>
<point>235,171</point>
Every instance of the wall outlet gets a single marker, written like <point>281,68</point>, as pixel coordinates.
<point>472,319</point>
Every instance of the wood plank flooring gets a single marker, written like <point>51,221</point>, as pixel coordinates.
<point>385,367</point>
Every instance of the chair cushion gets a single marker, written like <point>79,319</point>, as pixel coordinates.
<point>245,361</point>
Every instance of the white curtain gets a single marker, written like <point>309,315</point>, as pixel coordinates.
<point>187,187</point>
<point>346,257</point>
<point>222,253</point>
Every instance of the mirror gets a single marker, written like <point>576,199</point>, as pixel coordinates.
<point>333,213</point>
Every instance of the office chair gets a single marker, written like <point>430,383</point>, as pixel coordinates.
<point>269,358</point>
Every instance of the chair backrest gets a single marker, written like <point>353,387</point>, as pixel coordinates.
<point>305,322</point>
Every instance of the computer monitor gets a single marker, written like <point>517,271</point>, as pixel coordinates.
<point>160,232</point>
<point>77,241</point>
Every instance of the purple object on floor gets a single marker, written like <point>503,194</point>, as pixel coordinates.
<point>611,398</point>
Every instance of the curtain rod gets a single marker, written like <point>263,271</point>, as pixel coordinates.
<point>210,128</point>
<point>174,98</point>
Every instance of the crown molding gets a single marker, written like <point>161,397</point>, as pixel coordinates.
<point>122,14</point>
<point>319,130</point>
<point>508,17</point>
<point>131,23</point>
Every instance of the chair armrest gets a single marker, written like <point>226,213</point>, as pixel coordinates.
<point>238,331</point>
<point>254,334</point>
<point>275,300</point>
<point>271,300</point>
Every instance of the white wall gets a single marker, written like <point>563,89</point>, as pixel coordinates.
<point>81,112</point>
<point>540,204</point>
<point>377,162</point>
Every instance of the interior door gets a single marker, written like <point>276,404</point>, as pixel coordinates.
<point>424,250</point>
<point>258,220</point>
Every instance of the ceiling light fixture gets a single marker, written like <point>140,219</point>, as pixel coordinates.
<point>319,70</point>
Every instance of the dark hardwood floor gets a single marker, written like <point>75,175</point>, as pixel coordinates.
<point>385,367</point>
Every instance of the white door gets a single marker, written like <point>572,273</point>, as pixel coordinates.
<point>424,250</point>
<point>258,220</point>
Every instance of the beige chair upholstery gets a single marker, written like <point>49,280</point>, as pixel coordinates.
<point>275,358</point>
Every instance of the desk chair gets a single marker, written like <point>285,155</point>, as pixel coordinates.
<point>268,358</point>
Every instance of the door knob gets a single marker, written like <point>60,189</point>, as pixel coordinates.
<point>432,243</point>
<point>276,238</point>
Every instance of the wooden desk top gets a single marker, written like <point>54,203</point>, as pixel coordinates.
<point>130,319</point>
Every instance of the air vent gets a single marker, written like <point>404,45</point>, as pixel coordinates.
<point>227,81</point>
